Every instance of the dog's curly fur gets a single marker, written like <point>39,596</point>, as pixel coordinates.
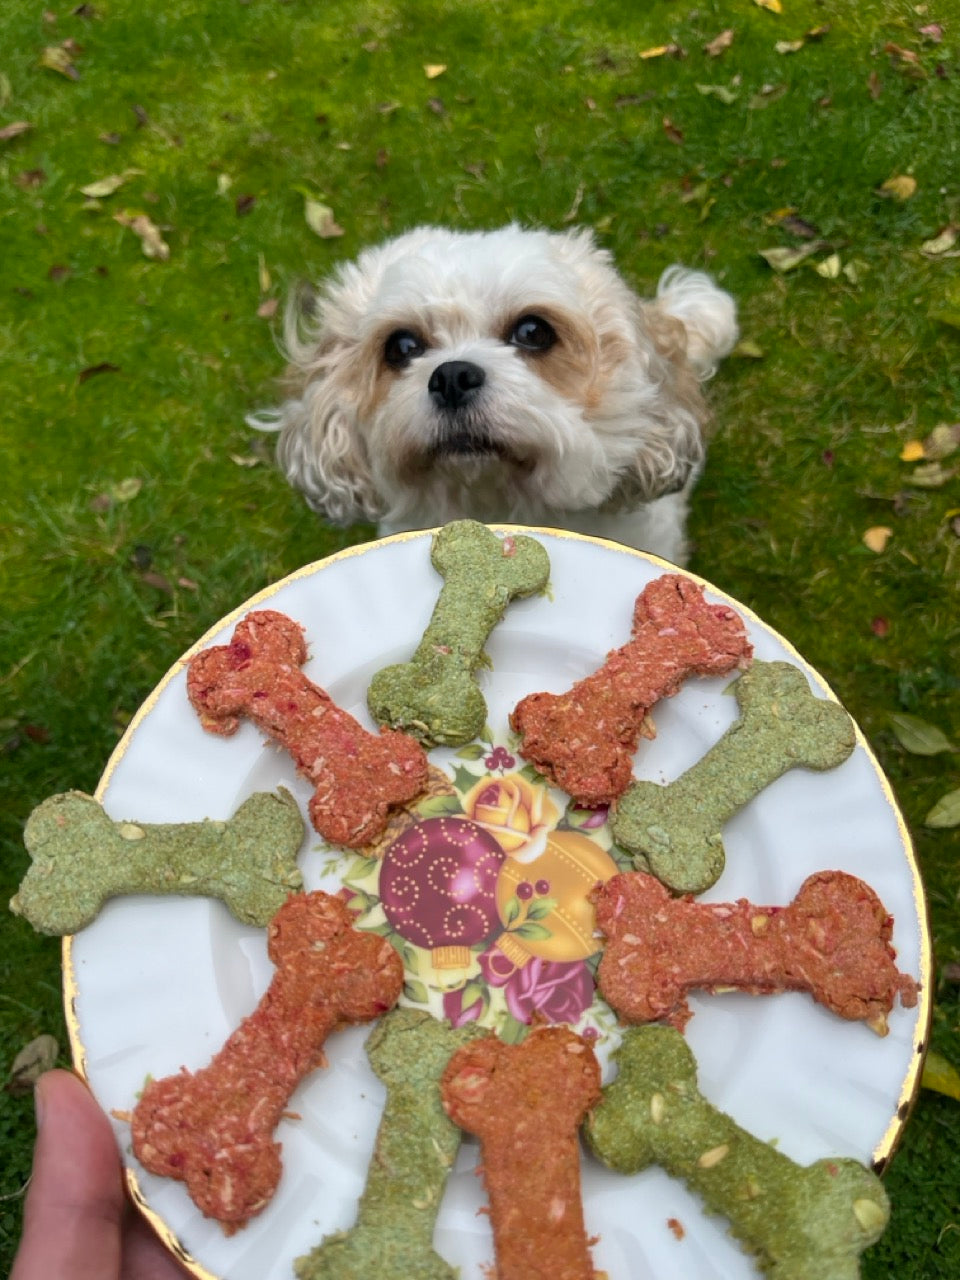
<point>580,404</point>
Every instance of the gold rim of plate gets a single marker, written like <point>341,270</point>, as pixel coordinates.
<point>910,1089</point>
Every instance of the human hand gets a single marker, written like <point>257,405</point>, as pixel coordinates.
<point>78,1222</point>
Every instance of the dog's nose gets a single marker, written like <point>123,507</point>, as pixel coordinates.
<point>455,382</point>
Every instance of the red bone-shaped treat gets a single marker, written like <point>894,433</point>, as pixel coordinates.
<point>832,941</point>
<point>213,1129</point>
<point>584,739</point>
<point>525,1102</point>
<point>359,776</point>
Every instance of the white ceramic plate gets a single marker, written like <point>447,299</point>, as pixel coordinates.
<point>155,984</point>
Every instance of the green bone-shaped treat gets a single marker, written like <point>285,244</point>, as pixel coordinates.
<point>81,857</point>
<point>801,1223</point>
<point>414,1153</point>
<point>435,695</point>
<point>783,725</point>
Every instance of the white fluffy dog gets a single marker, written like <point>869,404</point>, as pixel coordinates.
<point>508,375</point>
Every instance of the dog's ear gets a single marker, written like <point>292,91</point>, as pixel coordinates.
<point>321,452</point>
<point>707,314</point>
<point>320,447</point>
<point>682,335</point>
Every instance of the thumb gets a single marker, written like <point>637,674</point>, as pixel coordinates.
<point>74,1205</point>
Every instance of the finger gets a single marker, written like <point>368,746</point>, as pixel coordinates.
<point>144,1257</point>
<point>75,1202</point>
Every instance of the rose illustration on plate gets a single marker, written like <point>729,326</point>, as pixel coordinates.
<point>514,811</point>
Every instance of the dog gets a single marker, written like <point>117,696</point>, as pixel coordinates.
<point>503,376</point>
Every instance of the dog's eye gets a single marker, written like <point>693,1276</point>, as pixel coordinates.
<point>401,347</point>
<point>532,333</point>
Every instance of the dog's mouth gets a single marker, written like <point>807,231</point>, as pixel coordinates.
<point>465,444</point>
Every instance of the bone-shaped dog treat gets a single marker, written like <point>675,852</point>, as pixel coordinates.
<point>802,1223</point>
<point>358,776</point>
<point>525,1103</point>
<point>782,725</point>
<point>832,941</point>
<point>435,695</point>
<point>584,739</point>
<point>213,1129</point>
<point>81,858</point>
<point>414,1153</point>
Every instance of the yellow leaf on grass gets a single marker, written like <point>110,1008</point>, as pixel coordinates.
<point>941,243</point>
<point>320,219</point>
<point>877,538</point>
<point>912,451</point>
<point>433,69</point>
<point>774,6</point>
<point>940,1075</point>
<point>789,46</point>
<point>900,187</point>
<point>107,186</point>
<point>829,268</point>
<point>57,57</point>
<point>657,51</point>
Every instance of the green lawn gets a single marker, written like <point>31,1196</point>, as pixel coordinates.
<point>137,508</point>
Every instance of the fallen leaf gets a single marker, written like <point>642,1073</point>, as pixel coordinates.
<point>320,218</point>
<point>876,539</point>
<point>856,270</point>
<point>673,133</point>
<point>946,812</point>
<point>931,475</point>
<point>932,32</point>
<point>92,370</point>
<point>767,94</point>
<point>658,51</point>
<point>126,490</point>
<point>942,441</point>
<point>774,6</point>
<point>263,274</point>
<point>789,46</point>
<point>244,204</point>
<point>151,241</point>
<point>10,131</point>
<point>31,178</point>
<point>748,350</point>
<point>58,57</point>
<point>157,580</point>
<point>912,451</point>
<point>918,736</point>
<point>719,44</point>
<point>720,91</point>
<point>900,187</point>
<point>107,186</point>
<point>432,70</point>
<point>784,259</point>
<point>245,460</point>
<point>880,626</point>
<point>829,268</point>
<point>799,227</point>
<point>940,1075</point>
<point>902,55</point>
<point>30,1063</point>
<point>267,308</point>
<point>817,33</point>
<point>942,242</point>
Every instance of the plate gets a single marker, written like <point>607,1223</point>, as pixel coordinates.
<point>155,984</point>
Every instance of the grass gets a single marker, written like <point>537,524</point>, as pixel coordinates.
<point>117,368</point>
